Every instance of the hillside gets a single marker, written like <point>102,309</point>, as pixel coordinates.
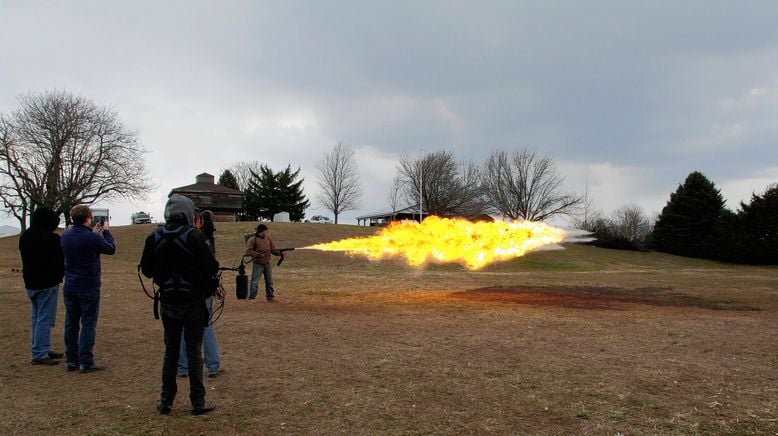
<point>581,340</point>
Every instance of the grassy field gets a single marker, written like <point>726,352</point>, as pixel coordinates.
<point>577,341</point>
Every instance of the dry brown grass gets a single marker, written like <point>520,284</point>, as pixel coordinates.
<point>580,341</point>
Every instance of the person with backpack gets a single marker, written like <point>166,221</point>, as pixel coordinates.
<point>177,257</point>
<point>211,353</point>
<point>260,247</point>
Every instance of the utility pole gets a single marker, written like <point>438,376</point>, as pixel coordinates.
<point>421,188</point>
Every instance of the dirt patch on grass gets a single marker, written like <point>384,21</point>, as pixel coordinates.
<point>595,298</point>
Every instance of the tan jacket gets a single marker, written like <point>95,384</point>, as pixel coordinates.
<point>261,249</point>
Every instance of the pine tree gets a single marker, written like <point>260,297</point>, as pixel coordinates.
<point>228,180</point>
<point>757,238</point>
<point>269,193</point>
<point>691,221</point>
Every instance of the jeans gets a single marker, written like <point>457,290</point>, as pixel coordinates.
<point>44,313</point>
<point>257,270</point>
<point>210,347</point>
<point>189,320</point>
<point>81,311</point>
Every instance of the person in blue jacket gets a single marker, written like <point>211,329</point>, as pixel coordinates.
<point>82,246</point>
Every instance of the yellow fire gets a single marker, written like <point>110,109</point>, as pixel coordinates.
<point>474,245</point>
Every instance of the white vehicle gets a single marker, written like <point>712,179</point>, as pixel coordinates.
<point>321,219</point>
<point>140,218</point>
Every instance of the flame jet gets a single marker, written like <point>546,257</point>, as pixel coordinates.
<point>445,240</point>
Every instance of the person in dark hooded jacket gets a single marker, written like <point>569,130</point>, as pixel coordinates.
<point>43,269</point>
<point>179,260</point>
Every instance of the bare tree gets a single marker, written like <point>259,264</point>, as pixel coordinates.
<point>394,194</point>
<point>631,223</point>
<point>447,187</point>
<point>588,216</point>
<point>526,186</point>
<point>339,185</point>
<point>242,172</point>
<point>59,150</point>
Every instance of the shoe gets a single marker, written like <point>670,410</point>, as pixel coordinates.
<point>163,408</point>
<point>72,368</point>
<point>47,361</point>
<point>55,355</point>
<point>216,374</point>
<point>93,368</point>
<point>182,375</point>
<point>252,300</point>
<point>270,299</point>
<point>203,409</point>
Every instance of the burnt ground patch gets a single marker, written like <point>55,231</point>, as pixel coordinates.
<point>588,297</point>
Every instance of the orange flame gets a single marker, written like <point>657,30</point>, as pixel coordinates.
<point>474,245</point>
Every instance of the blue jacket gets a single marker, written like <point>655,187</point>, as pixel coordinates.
<point>82,248</point>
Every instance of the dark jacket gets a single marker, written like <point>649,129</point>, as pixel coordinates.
<point>192,266</point>
<point>82,249</point>
<point>42,261</point>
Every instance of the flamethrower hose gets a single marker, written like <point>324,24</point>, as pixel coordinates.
<point>219,294</point>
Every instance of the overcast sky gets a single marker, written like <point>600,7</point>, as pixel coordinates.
<point>628,97</point>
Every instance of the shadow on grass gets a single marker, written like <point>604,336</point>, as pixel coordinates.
<point>594,298</point>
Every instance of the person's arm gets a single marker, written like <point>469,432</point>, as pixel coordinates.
<point>105,243</point>
<point>59,258</point>
<point>147,258</point>
<point>250,244</point>
<point>205,257</point>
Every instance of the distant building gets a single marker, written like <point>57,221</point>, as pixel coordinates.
<point>224,202</point>
<point>384,217</point>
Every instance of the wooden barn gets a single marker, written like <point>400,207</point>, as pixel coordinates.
<point>224,202</point>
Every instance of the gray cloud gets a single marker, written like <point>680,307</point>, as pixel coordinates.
<point>628,96</point>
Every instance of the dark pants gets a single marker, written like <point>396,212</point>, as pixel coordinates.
<point>190,320</point>
<point>81,311</point>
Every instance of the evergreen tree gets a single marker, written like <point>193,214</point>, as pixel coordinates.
<point>291,198</point>
<point>756,238</point>
<point>691,221</point>
<point>269,193</point>
<point>228,180</point>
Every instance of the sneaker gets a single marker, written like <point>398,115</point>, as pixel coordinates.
<point>93,368</point>
<point>163,408</point>
<point>72,367</point>
<point>203,409</point>
<point>270,299</point>
<point>47,361</point>
<point>182,375</point>
<point>55,355</point>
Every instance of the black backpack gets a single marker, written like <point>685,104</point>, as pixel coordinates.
<point>176,264</point>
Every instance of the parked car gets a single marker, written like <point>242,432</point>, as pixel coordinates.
<point>320,219</point>
<point>140,218</point>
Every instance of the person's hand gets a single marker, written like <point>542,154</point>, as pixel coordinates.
<point>98,228</point>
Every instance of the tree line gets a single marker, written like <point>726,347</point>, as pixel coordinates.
<point>519,185</point>
<point>58,150</point>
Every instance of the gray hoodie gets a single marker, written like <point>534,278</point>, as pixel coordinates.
<point>179,209</point>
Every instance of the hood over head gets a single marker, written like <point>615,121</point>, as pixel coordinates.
<point>179,209</point>
<point>44,218</point>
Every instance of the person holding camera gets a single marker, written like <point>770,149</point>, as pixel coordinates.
<point>43,267</point>
<point>82,246</point>
<point>177,257</point>
<point>260,247</point>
